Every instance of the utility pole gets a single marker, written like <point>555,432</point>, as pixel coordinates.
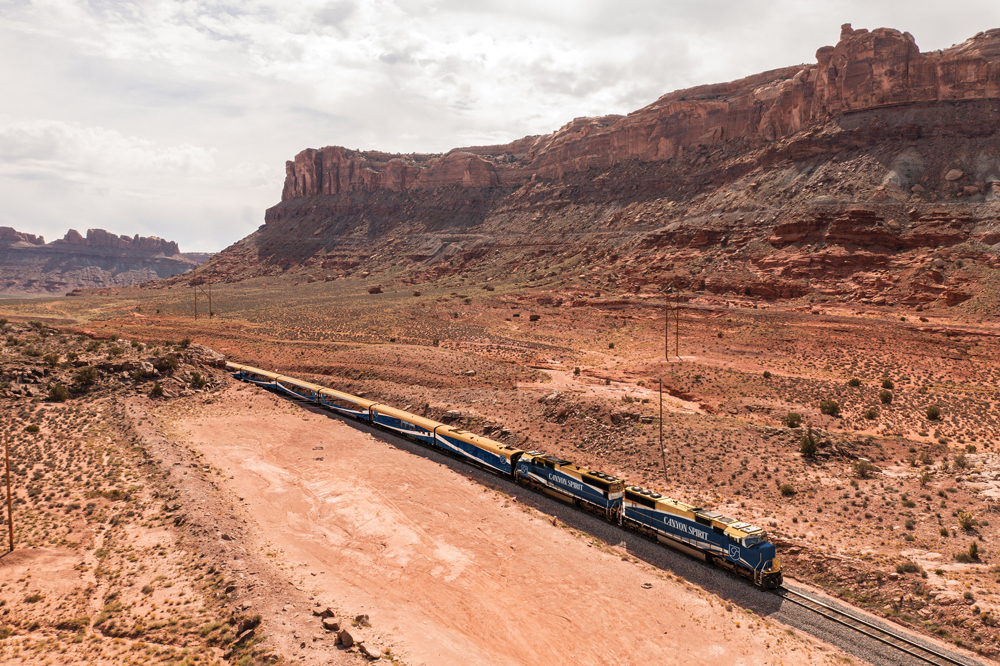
<point>200,287</point>
<point>10,510</point>
<point>663,451</point>
<point>676,310</point>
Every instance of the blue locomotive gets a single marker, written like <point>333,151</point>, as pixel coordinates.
<point>733,545</point>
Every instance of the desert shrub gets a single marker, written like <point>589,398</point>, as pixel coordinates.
<point>32,428</point>
<point>925,478</point>
<point>157,391</point>
<point>885,395</point>
<point>611,345</point>
<point>787,489</point>
<point>808,445</point>
<point>33,352</point>
<point>93,346</point>
<point>887,384</point>
<point>907,566</point>
<point>114,351</point>
<point>792,420</point>
<point>966,520</point>
<point>970,555</point>
<point>33,598</point>
<point>767,374</point>
<point>51,360</point>
<point>185,343</point>
<point>829,407</point>
<point>871,413</point>
<point>167,363</point>
<point>854,381</point>
<point>960,461</point>
<point>86,376</point>
<point>58,393</point>
<point>933,413</point>
<point>944,531</point>
<point>576,372</point>
<point>74,624</point>
<point>864,469</point>
<point>198,380</point>
<point>970,448</point>
<point>909,524</point>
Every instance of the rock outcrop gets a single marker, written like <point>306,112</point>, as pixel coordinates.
<point>836,178</point>
<point>864,71</point>
<point>30,266</point>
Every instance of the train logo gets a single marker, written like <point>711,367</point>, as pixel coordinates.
<point>734,551</point>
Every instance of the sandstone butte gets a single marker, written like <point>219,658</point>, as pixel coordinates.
<point>865,70</point>
<point>847,176</point>
<point>30,266</point>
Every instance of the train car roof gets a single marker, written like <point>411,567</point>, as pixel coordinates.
<point>425,423</point>
<point>364,402</point>
<point>478,440</point>
<point>347,397</point>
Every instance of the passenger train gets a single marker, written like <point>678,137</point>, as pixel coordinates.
<point>726,542</point>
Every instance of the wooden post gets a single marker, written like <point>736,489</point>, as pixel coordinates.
<point>10,510</point>
<point>663,452</point>
<point>666,327</point>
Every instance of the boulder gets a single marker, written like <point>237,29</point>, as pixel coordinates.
<point>331,624</point>
<point>370,651</point>
<point>347,637</point>
<point>202,355</point>
<point>953,175</point>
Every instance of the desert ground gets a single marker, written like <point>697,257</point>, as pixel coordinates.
<point>261,515</point>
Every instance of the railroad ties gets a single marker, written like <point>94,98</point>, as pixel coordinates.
<point>872,630</point>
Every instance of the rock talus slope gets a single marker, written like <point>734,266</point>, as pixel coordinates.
<point>846,176</point>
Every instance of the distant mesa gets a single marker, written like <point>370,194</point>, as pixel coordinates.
<point>31,267</point>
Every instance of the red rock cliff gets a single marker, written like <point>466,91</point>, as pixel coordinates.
<point>865,70</point>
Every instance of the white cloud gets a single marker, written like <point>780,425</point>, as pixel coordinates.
<point>73,152</point>
<point>200,102</point>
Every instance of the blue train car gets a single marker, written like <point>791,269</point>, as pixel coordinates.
<point>404,423</point>
<point>738,546</point>
<point>253,375</point>
<point>590,488</point>
<point>477,449</point>
<point>346,404</point>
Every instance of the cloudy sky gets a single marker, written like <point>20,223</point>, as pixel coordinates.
<point>174,118</point>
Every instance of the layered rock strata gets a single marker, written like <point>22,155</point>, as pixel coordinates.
<point>30,266</point>
<point>863,163</point>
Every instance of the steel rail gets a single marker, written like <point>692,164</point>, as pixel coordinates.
<point>895,640</point>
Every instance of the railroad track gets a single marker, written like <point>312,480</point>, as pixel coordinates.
<point>902,643</point>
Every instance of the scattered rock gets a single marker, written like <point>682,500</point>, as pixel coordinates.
<point>363,621</point>
<point>345,637</point>
<point>954,174</point>
<point>326,612</point>
<point>331,624</point>
<point>370,651</point>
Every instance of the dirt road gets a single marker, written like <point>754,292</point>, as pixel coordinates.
<point>449,571</point>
